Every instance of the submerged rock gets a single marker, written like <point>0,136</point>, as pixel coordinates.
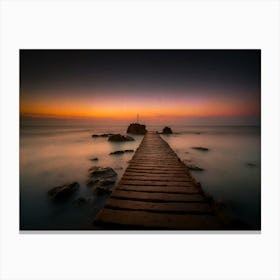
<point>136,128</point>
<point>97,174</point>
<point>104,186</point>
<point>102,172</point>
<point>94,159</point>
<point>121,152</point>
<point>203,149</point>
<point>129,151</point>
<point>194,167</point>
<point>99,190</point>
<point>117,153</point>
<point>64,191</point>
<point>120,138</point>
<point>106,182</point>
<point>167,130</point>
<point>101,135</point>
<point>84,200</point>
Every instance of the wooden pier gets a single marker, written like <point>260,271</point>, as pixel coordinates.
<point>157,191</point>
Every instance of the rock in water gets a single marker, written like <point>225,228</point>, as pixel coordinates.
<point>167,130</point>
<point>120,138</point>
<point>136,128</point>
<point>117,153</point>
<point>64,191</point>
<point>97,174</point>
<point>201,149</point>
<point>104,186</point>
<point>121,152</point>
<point>194,167</point>
<point>106,182</point>
<point>84,201</point>
<point>101,135</point>
<point>101,190</point>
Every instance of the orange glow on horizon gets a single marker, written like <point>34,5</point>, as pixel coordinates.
<point>128,107</point>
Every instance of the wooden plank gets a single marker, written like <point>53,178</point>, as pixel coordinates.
<point>122,219</point>
<point>146,196</point>
<point>133,167</point>
<point>159,189</point>
<point>155,183</point>
<point>167,152</point>
<point>158,168</point>
<point>180,208</point>
<point>138,172</point>
<point>155,164</point>
<point>157,178</point>
<point>150,157</point>
<point>156,171</point>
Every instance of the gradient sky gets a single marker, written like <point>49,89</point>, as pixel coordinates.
<point>159,85</point>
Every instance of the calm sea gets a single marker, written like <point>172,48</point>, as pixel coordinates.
<point>52,155</point>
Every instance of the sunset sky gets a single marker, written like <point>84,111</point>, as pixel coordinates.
<point>171,85</point>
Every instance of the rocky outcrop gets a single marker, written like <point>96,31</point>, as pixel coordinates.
<point>120,138</point>
<point>104,186</point>
<point>106,182</point>
<point>98,174</point>
<point>203,149</point>
<point>167,130</point>
<point>64,191</point>
<point>121,152</point>
<point>99,190</point>
<point>136,128</point>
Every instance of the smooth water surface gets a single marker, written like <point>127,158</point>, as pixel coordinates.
<point>54,155</point>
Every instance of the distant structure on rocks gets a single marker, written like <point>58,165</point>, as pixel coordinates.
<point>136,128</point>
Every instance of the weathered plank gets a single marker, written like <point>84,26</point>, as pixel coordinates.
<point>157,178</point>
<point>158,189</point>
<point>147,196</point>
<point>155,172</point>
<point>157,168</point>
<point>145,169</point>
<point>169,207</point>
<point>123,219</point>
<point>155,183</point>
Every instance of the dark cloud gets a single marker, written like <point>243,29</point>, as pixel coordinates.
<point>150,71</point>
